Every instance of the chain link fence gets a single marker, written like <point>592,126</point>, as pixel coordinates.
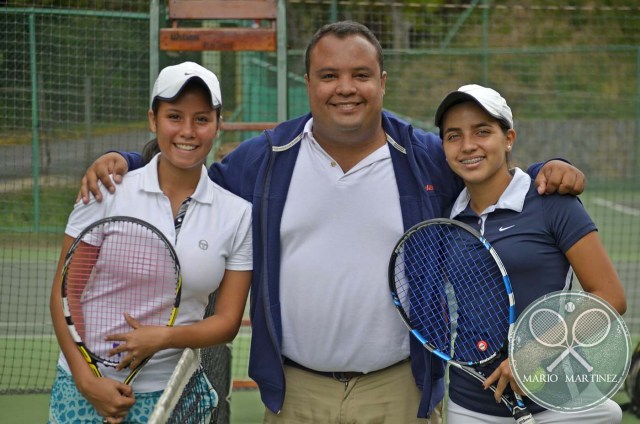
<point>75,78</point>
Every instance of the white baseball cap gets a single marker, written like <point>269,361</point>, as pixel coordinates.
<point>173,78</point>
<point>489,99</point>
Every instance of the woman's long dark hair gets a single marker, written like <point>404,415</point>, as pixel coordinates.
<point>194,85</point>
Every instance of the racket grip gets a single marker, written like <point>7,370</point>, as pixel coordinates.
<point>520,412</point>
<point>523,416</point>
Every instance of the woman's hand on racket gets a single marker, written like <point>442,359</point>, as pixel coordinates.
<point>108,164</point>
<point>140,343</point>
<point>503,377</point>
<point>110,398</point>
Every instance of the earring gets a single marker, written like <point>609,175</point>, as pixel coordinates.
<point>509,148</point>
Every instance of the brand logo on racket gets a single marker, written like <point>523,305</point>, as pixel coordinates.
<point>482,346</point>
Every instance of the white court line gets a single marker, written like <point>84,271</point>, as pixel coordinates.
<point>616,206</point>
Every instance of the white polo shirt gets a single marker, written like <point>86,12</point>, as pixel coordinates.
<point>215,236</point>
<point>337,232</point>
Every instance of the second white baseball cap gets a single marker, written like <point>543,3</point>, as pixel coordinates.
<point>488,98</point>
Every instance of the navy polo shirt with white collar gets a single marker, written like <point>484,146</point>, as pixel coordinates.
<point>531,234</point>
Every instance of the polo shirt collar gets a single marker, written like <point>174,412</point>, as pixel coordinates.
<point>512,198</point>
<point>151,183</point>
<point>307,128</point>
<point>382,153</point>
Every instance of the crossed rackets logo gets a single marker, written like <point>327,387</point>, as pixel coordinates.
<point>569,351</point>
<point>550,329</point>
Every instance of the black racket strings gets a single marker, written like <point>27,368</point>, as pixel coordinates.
<point>193,405</point>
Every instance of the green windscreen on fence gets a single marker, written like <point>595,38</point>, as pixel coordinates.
<point>74,83</point>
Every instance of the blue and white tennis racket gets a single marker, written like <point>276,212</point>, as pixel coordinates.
<point>454,294</point>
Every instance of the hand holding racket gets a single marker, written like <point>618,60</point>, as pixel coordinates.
<point>115,266</point>
<point>454,295</point>
<point>136,344</point>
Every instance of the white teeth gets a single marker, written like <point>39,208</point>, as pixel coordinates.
<point>471,161</point>
<point>185,147</point>
<point>346,105</point>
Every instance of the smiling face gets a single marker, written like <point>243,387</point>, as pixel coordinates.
<point>476,146</point>
<point>345,86</point>
<point>185,129</point>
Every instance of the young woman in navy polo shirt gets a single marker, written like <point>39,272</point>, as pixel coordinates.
<point>542,241</point>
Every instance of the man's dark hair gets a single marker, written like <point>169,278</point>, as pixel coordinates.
<point>343,29</point>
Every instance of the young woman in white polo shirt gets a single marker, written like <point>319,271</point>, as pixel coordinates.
<point>542,241</point>
<point>210,229</point>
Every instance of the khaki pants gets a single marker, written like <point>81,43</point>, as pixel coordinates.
<point>389,396</point>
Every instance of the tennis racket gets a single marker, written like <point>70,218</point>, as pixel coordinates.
<point>116,265</point>
<point>189,397</point>
<point>454,295</point>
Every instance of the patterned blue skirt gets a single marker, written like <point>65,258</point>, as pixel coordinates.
<point>68,406</point>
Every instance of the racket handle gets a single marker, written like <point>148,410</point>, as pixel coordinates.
<point>523,416</point>
<point>520,412</point>
<point>527,418</point>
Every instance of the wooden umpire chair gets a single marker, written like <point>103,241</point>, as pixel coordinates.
<point>256,38</point>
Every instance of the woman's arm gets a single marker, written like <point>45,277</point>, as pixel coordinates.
<point>221,327</point>
<point>596,272</point>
